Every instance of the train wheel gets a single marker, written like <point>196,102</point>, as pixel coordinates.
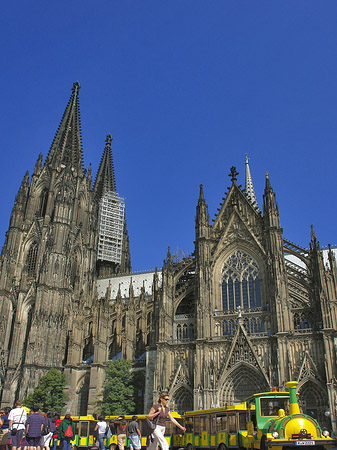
<point>113,447</point>
<point>189,447</point>
<point>222,447</point>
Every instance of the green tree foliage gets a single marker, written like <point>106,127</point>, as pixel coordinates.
<point>48,395</point>
<point>118,391</point>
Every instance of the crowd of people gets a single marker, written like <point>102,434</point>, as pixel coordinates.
<point>21,429</point>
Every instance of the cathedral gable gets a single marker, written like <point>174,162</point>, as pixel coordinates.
<point>43,180</point>
<point>236,230</point>
<point>308,369</point>
<point>34,233</point>
<point>236,200</point>
<point>242,351</point>
<point>181,378</point>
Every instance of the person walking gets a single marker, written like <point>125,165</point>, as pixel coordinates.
<point>134,434</point>
<point>17,421</point>
<point>120,425</point>
<point>101,428</point>
<point>56,421</point>
<point>66,432</point>
<point>159,412</point>
<point>34,425</point>
<point>47,431</point>
<point>4,423</point>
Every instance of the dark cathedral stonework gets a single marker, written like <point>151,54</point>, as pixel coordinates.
<point>246,311</point>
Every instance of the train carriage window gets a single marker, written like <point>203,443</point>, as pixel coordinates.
<point>203,427</point>
<point>213,424</point>
<point>207,424</point>
<point>243,420</point>
<point>92,426</point>
<point>189,424</point>
<point>168,428</point>
<point>232,423</point>
<point>221,423</point>
<point>253,419</point>
<point>171,429</point>
<point>142,427</point>
<point>197,425</point>
<point>83,429</point>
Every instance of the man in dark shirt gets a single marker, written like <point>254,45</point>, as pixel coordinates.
<point>134,434</point>
<point>34,427</point>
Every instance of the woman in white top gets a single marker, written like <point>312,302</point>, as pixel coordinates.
<point>101,428</point>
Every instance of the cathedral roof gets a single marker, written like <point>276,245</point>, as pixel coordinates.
<point>325,253</point>
<point>124,281</point>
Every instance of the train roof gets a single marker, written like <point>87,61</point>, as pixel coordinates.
<point>269,394</point>
<point>238,407</point>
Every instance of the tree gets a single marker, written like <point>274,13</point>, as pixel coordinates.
<point>48,394</point>
<point>118,388</point>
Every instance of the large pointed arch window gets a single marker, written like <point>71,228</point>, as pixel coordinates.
<point>43,202</point>
<point>32,259</point>
<point>240,283</point>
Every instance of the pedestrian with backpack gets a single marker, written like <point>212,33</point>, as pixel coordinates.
<point>17,420</point>
<point>66,432</point>
<point>56,423</point>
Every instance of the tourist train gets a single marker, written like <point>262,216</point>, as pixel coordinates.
<point>265,421</point>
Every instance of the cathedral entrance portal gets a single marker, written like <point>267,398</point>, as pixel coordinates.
<point>314,401</point>
<point>183,400</point>
<point>241,382</point>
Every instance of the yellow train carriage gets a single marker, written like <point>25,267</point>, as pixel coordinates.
<point>265,421</point>
<point>86,438</point>
<point>84,429</point>
<point>216,428</point>
<point>171,435</point>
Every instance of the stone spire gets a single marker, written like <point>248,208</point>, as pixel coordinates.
<point>249,184</point>
<point>270,208</point>
<point>66,148</point>
<point>202,220</point>
<point>105,179</point>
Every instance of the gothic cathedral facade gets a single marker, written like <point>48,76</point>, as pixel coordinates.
<point>246,311</point>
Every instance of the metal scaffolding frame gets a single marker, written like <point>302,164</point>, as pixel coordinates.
<point>110,227</point>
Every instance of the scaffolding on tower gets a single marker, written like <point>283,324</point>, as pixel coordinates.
<point>110,227</point>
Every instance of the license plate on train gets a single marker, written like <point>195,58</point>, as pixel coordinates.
<point>305,443</point>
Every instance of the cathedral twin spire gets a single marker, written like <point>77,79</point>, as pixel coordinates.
<point>66,149</point>
<point>105,180</point>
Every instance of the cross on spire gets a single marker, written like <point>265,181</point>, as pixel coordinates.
<point>76,87</point>
<point>233,174</point>
<point>109,139</point>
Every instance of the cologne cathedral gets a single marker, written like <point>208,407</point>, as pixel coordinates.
<point>246,311</point>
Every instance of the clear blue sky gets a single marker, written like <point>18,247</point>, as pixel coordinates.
<point>186,88</point>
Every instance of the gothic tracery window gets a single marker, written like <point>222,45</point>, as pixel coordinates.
<point>302,320</point>
<point>240,282</point>
<point>43,202</point>
<point>31,259</point>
